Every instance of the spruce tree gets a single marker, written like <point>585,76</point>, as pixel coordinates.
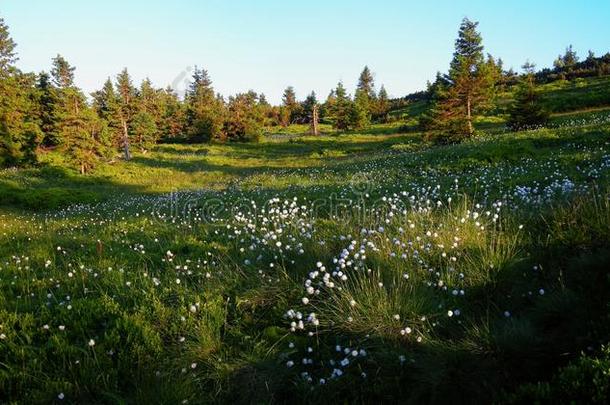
<point>151,104</point>
<point>126,109</point>
<point>527,111</point>
<point>105,101</point>
<point>310,101</point>
<point>7,49</point>
<point>342,110</point>
<point>361,116</point>
<point>89,138</point>
<point>143,130</point>
<point>365,98</point>
<point>468,89</point>
<point>382,106</point>
<point>20,134</point>
<point>47,101</point>
<point>106,105</point>
<point>569,58</point>
<point>289,107</point>
<point>366,83</point>
<point>62,72</point>
<point>326,109</point>
<point>173,119</point>
<point>244,118</point>
<point>81,134</point>
<point>311,110</point>
<point>205,111</point>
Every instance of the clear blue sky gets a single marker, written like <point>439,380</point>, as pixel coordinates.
<point>266,45</point>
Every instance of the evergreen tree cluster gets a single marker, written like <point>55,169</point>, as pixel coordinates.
<point>469,88</point>
<point>569,66</point>
<point>527,111</point>
<point>465,91</point>
<point>46,111</point>
<point>340,108</point>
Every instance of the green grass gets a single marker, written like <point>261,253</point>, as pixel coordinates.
<point>476,271</point>
<point>581,98</point>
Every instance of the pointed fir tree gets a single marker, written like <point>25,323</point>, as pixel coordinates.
<point>366,83</point>
<point>89,139</point>
<point>143,130</point>
<point>205,111</point>
<point>310,101</point>
<point>8,57</point>
<point>361,116</point>
<point>527,112</point>
<point>311,110</point>
<point>82,135</point>
<point>47,100</point>
<point>20,134</point>
<point>62,72</point>
<point>126,109</point>
<point>326,109</point>
<point>382,106</point>
<point>365,96</point>
<point>342,110</point>
<point>244,121</point>
<point>289,107</point>
<point>468,90</point>
<point>173,119</point>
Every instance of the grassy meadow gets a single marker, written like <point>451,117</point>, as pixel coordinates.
<point>357,267</point>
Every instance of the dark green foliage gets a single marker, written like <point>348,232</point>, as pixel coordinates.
<point>173,115</point>
<point>205,112</point>
<point>144,130</point>
<point>567,61</point>
<point>366,83</point>
<point>84,137</point>
<point>361,114</point>
<point>244,118</point>
<point>586,380</point>
<point>62,73</point>
<point>342,109</point>
<point>124,111</point>
<point>381,106</point>
<point>291,111</point>
<point>309,104</point>
<point>527,111</point>
<point>7,49</point>
<point>20,134</point>
<point>46,100</point>
<point>465,91</point>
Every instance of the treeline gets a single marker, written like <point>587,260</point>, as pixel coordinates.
<point>45,111</point>
<point>48,111</point>
<point>340,109</point>
<point>569,66</point>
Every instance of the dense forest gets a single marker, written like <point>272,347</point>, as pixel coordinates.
<point>47,110</point>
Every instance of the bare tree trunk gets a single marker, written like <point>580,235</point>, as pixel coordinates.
<point>314,128</point>
<point>126,140</point>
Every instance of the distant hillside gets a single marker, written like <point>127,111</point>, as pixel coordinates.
<point>559,96</point>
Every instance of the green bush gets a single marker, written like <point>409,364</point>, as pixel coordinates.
<point>586,380</point>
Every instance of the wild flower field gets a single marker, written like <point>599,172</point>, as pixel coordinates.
<point>351,268</point>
